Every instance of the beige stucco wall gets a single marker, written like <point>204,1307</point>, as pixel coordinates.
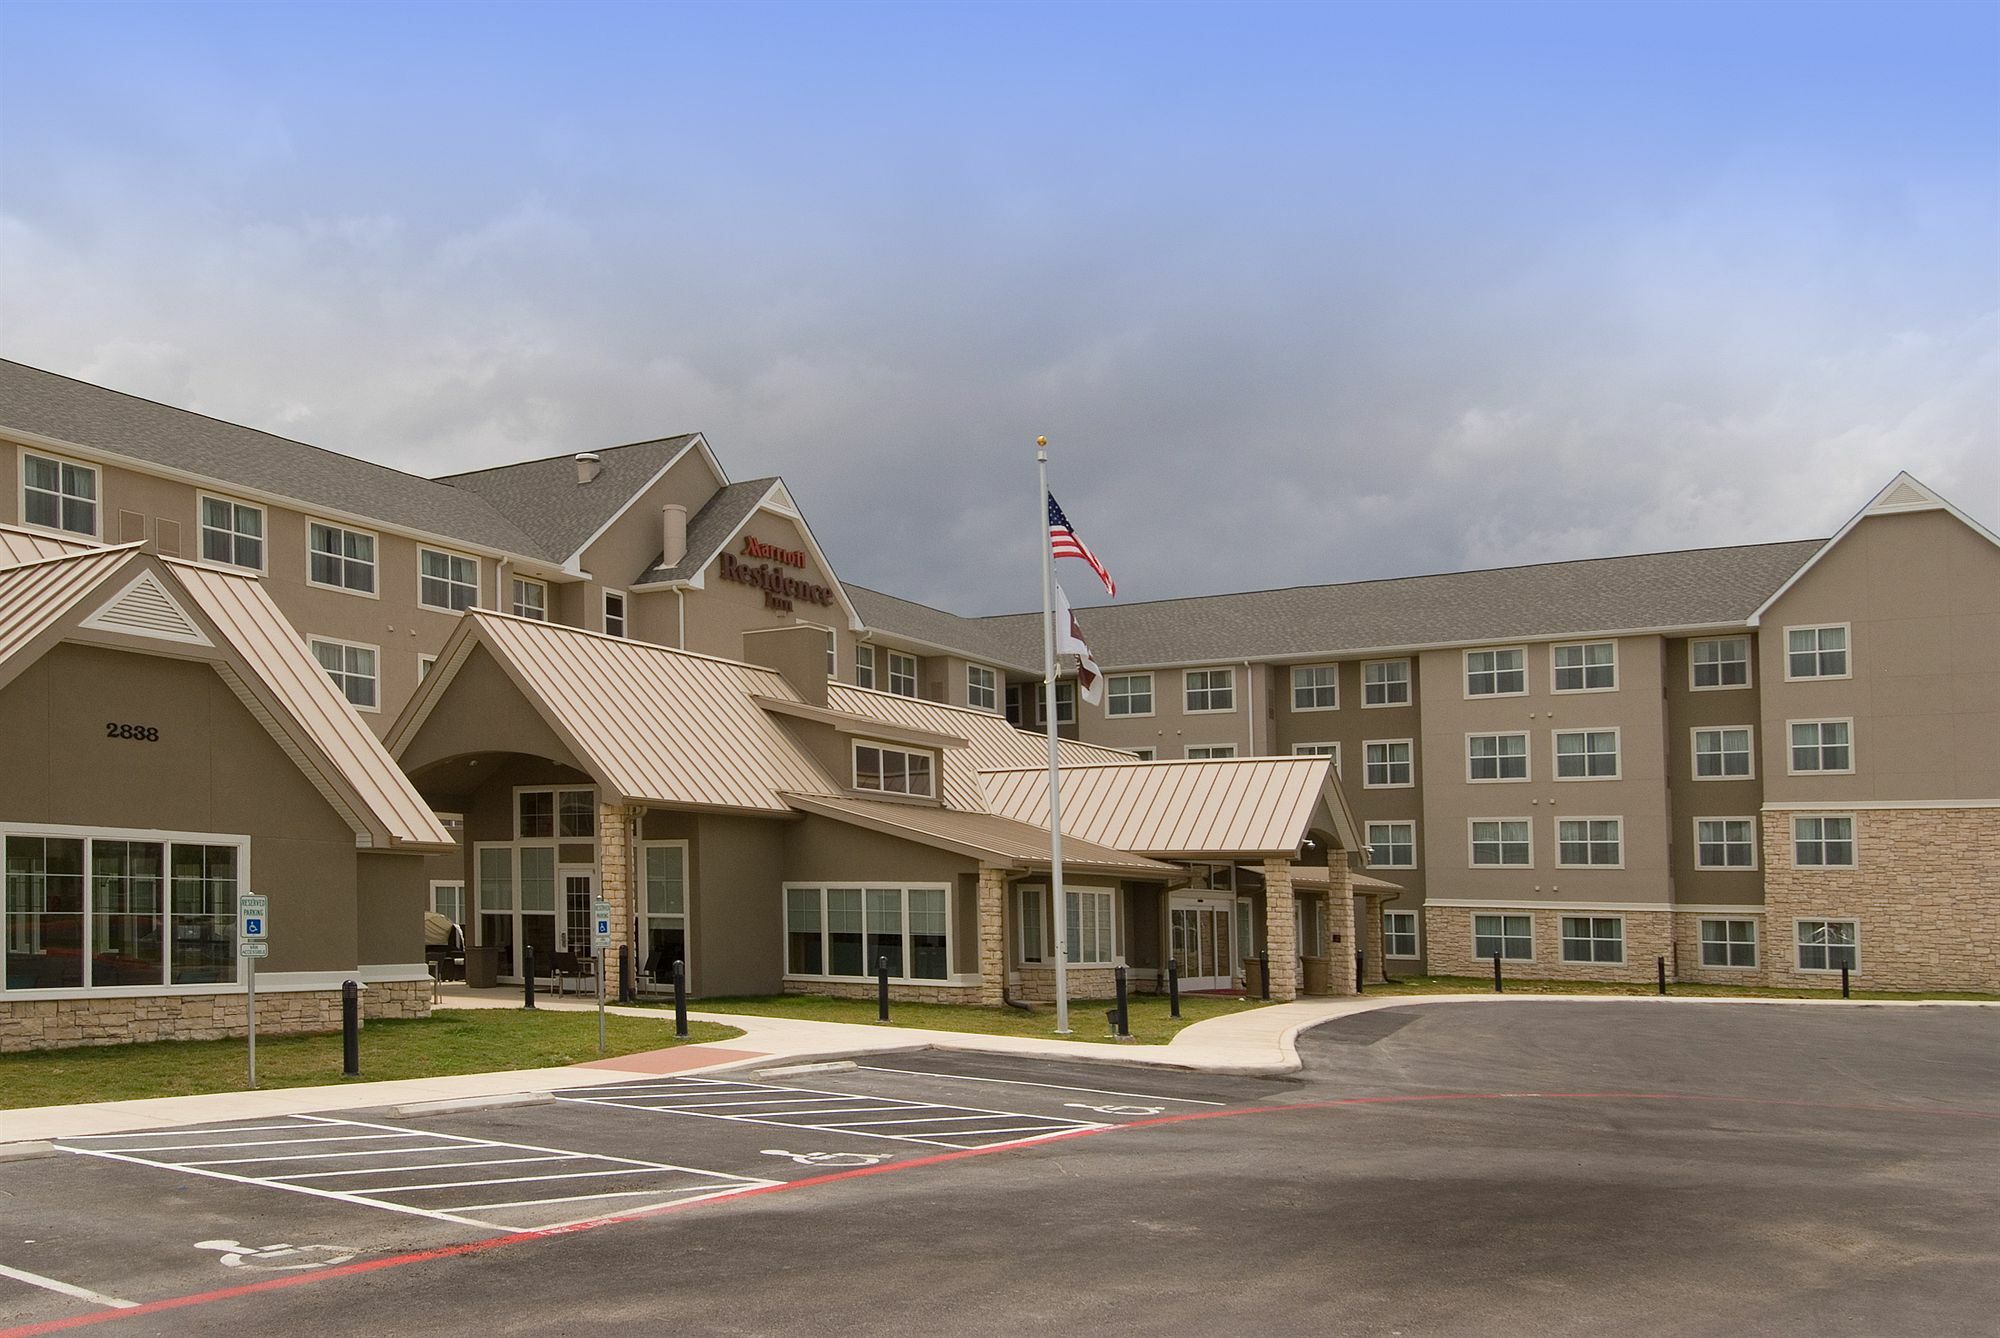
<point>721,611</point>
<point>1686,711</point>
<point>480,713</point>
<point>1172,728</point>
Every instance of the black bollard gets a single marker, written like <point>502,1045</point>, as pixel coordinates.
<point>528,976</point>
<point>1124,1032</point>
<point>680,1000</point>
<point>1843,981</point>
<point>882,989</point>
<point>1496,974</point>
<point>1264,981</point>
<point>350,1029</point>
<point>1173,989</point>
<point>1360,970</point>
<point>1663,975</point>
<point>624,973</point>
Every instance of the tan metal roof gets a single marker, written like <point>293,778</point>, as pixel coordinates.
<point>983,836</point>
<point>1312,877</point>
<point>1221,806</point>
<point>37,594</point>
<point>23,545</point>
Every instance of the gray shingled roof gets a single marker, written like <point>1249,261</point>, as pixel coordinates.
<point>709,529</point>
<point>994,641</point>
<point>545,500</point>
<point>32,400</point>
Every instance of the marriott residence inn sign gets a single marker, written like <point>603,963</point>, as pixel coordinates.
<point>779,589</point>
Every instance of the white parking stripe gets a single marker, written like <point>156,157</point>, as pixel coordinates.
<point>266,1143</point>
<point>427,1166</point>
<point>179,1133</point>
<point>68,1289</point>
<point>1052,1086</point>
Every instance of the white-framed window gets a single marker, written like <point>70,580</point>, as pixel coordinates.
<point>1828,945</point>
<point>1210,690</point>
<point>425,663</point>
<point>1090,926</point>
<point>1593,938</point>
<point>352,667</point>
<point>1502,843</point>
<point>1496,757</point>
<point>59,494</point>
<point>982,688</point>
<point>844,933</point>
<point>864,668</point>
<point>1315,687</point>
<point>103,908</point>
<point>1031,906</point>
<point>1725,843</point>
<point>832,654</point>
<point>1817,652</point>
<point>1509,937</point>
<point>1823,841</point>
<point>1392,845</point>
<point>1723,753</point>
<point>1331,750</point>
<point>1591,666</point>
<point>550,813</point>
<point>448,900</point>
<point>893,770</point>
<point>663,916</point>
<point>1309,925</point>
<point>1065,703</point>
<point>1719,662</point>
<point>1203,751</point>
<point>1729,942</point>
<point>1586,754</point>
<point>339,558</point>
<point>614,613</point>
<point>902,674</point>
<point>1145,754</point>
<point>1821,746</point>
<point>1385,683</point>
<point>1128,694</point>
<point>1496,673</point>
<point>530,598</point>
<point>1399,933</point>
<point>447,580</point>
<point>1590,843</point>
<point>232,533</point>
<point>1386,764</point>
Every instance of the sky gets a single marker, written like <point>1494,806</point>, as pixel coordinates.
<point>1298,293</point>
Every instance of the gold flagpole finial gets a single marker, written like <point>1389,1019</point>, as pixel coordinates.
<point>1041,441</point>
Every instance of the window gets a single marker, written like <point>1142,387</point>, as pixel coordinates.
<point>58,495</point>
<point>1828,945</point>
<point>1201,751</point>
<point>1591,667</point>
<point>568,815</point>
<point>1586,754</point>
<point>1816,652</point>
<point>982,691</point>
<point>1211,689</point>
<point>1496,757</point>
<point>1392,845</point>
<point>1498,842</point>
<point>1820,745</point>
<point>1331,750</point>
<point>1092,927</point>
<point>848,931</point>
<point>902,674</point>
<point>1593,938</point>
<point>1385,683</point>
<point>1729,943</point>
<point>1722,754</point>
<point>891,770</point>
<point>1399,933</point>
<point>446,580</point>
<point>1719,662</point>
<point>1725,843</point>
<point>1496,673</point>
<point>1065,702</point>
<point>1583,842</point>
<point>232,533</point>
<point>352,669</point>
<point>1144,754</point>
<point>1129,694</point>
<point>614,613</point>
<point>832,654</point>
<point>1508,936</point>
<point>531,599</point>
<point>663,916</point>
<point>1315,687</point>
<point>1386,764</point>
<point>448,900</point>
<point>864,669</point>
<point>1825,843</point>
<point>425,663</point>
<point>340,559</point>
<point>1032,901</point>
<point>1246,930</point>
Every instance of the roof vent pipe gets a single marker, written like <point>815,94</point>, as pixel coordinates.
<point>673,534</point>
<point>588,466</point>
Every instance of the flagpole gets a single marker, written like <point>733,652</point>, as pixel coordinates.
<point>1058,918</point>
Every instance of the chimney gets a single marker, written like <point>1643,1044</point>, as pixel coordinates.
<point>673,534</point>
<point>588,466</point>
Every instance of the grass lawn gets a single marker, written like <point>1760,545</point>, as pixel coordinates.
<point>1484,985</point>
<point>453,1040</point>
<point>1149,1019</point>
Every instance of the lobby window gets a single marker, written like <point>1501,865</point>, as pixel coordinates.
<point>1203,751</point>
<point>1585,842</point>
<point>1586,754</point>
<point>664,927</point>
<point>531,599</point>
<point>1729,943</point>
<point>1392,845</point>
<point>1211,690</point>
<point>1511,937</point>
<point>352,669</point>
<point>1315,687</point>
<point>568,815</point>
<point>448,900</point>
<point>446,580</point>
<point>1501,843</point>
<point>1386,764</point>
<point>864,669</point>
<point>1821,745</point>
<point>1129,694</point>
<point>982,689</point>
<point>58,495</point>
<point>232,533</point>
<point>892,770</point>
<point>1816,652</point>
<point>1828,945</point>
<point>1385,683</point>
<point>1823,843</point>
<point>1722,754</point>
<point>1092,927</point>
<point>1719,662</point>
<point>1496,757</point>
<point>340,558</point>
<point>1725,843</point>
<point>1496,673</point>
<point>1591,667</point>
<point>1030,902</point>
<point>614,613</point>
<point>1593,938</point>
<point>842,932</point>
<point>902,674</point>
<point>1399,933</point>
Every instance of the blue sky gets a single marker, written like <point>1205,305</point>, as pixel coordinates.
<point>1299,293</point>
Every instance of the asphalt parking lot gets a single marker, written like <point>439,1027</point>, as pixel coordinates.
<point>1447,1169</point>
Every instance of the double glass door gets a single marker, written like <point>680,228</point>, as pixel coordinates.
<point>1203,942</point>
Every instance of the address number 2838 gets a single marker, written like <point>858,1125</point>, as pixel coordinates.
<point>138,733</point>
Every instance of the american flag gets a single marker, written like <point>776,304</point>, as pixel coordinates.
<point>1064,543</point>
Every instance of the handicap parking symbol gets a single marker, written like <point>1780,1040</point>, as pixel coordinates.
<point>831,1158</point>
<point>1114,1110</point>
<point>277,1258</point>
<point>253,925</point>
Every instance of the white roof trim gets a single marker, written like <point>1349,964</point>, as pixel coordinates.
<point>571,563</point>
<point>145,608</point>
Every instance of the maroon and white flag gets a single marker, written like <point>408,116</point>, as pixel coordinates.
<point>1069,641</point>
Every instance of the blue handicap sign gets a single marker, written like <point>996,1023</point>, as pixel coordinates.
<point>253,925</point>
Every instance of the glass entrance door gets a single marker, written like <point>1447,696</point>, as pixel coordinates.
<point>538,907</point>
<point>579,892</point>
<point>1202,943</point>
